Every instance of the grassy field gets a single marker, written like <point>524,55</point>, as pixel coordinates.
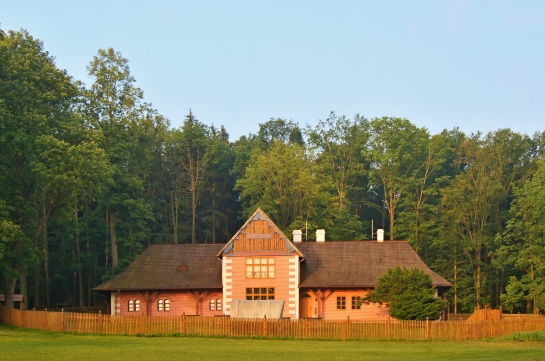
<point>20,344</point>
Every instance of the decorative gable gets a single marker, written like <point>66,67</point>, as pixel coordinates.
<point>259,234</point>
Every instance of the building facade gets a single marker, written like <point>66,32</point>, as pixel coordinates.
<point>322,279</point>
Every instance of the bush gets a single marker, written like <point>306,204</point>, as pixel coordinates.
<point>410,294</point>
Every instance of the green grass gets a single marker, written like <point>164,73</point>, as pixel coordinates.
<point>21,344</point>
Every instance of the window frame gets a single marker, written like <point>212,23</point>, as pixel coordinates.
<point>260,293</point>
<point>133,305</point>
<point>260,267</point>
<point>341,302</point>
<point>356,302</point>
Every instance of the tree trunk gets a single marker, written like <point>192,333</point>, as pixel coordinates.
<point>24,291</point>
<point>46,269</point>
<point>193,212</point>
<point>10,291</point>
<point>113,239</point>
<point>37,276</point>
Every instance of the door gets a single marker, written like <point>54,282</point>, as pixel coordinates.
<point>305,306</point>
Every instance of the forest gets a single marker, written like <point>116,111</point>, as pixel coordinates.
<point>92,174</point>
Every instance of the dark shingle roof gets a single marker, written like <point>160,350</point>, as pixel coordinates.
<point>328,264</point>
<point>170,267</point>
<point>357,263</point>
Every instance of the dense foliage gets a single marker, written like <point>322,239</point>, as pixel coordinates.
<point>92,174</point>
<point>409,293</point>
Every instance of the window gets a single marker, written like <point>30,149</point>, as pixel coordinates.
<point>341,303</point>
<point>260,267</point>
<point>163,305</point>
<point>134,306</point>
<point>215,305</point>
<point>259,293</point>
<point>356,302</point>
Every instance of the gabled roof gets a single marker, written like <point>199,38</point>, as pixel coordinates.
<point>357,263</point>
<point>170,267</point>
<point>257,237</point>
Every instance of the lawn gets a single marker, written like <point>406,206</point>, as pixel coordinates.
<point>20,344</point>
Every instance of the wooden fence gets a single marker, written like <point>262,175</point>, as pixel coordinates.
<point>285,328</point>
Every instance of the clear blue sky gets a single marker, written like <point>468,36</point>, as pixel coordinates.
<point>476,65</point>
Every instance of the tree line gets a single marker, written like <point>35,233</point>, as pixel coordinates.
<point>92,174</point>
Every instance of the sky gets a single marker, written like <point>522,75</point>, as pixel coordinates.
<point>473,64</point>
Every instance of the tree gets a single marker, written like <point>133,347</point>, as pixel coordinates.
<point>474,204</point>
<point>397,149</point>
<point>195,160</point>
<point>116,108</point>
<point>523,244</point>
<point>281,181</point>
<point>409,292</point>
<point>339,144</point>
<point>285,131</point>
<point>36,117</point>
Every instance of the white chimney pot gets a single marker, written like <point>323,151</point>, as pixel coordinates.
<point>380,235</point>
<point>297,236</point>
<point>320,235</point>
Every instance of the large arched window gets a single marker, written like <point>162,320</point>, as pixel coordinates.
<point>137,305</point>
<point>218,304</point>
<point>212,304</point>
<point>131,306</point>
<point>160,305</point>
<point>167,305</point>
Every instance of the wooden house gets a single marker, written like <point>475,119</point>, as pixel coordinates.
<point>322,279</point>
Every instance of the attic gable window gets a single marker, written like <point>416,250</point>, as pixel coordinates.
<point>260,267</point>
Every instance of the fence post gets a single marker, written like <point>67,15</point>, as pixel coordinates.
<point>62,319</point>
<point>183,324</point>
<point>427,328</point>
<point>264,325</point>
<point>348,326</point>
<point>100,322</point>
<point>388,335</point>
